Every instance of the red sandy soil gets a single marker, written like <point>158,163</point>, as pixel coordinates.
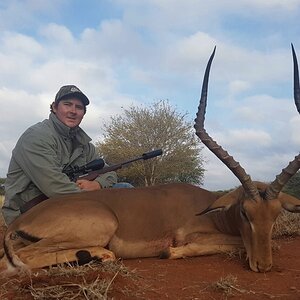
<point>206,277</point>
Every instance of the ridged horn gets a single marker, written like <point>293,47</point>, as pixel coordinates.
<point>296,80</point>
<point>223,155</point>
<point>277,185</point>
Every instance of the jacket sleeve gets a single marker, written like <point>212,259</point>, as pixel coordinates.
<point>107,180</point>
<point>38,159</point>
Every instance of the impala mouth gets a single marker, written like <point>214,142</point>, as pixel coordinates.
<point>260,268</point>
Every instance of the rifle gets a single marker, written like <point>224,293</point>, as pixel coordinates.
<point>96,167</point>
<point>90,171</point>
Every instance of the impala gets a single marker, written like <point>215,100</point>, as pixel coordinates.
<point>169,221</point>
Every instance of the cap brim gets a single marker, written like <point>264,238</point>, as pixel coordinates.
<point>84,99</point>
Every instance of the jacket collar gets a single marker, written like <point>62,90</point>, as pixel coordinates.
<point>67,132</point>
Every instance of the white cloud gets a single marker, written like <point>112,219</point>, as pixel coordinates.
<point>58,35</point>
<point>272,4</point>
<point>217,175</point>
<point>20,44</point>
<point>260,165</point>
<point>184,15</point>
<point>295,125</point>
<point>242,138</point>
<point>188,53</point>
<point>24,14</point>
<point>238,86</point>
<point>263,109</point>
<point>149,49</point>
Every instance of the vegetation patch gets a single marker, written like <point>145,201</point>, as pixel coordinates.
<point>287,225</point>
<point>227,285</point>
<point>91,281</point>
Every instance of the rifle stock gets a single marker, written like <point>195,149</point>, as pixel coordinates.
<point>94,174</point>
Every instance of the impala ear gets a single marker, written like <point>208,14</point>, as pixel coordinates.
<point>224,202</point>
<point>289,203</point>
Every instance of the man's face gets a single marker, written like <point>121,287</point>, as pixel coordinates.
<point>69,111</point>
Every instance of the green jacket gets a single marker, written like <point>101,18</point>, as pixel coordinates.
<point>38,160</point>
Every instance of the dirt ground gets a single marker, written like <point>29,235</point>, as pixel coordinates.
<point>206,277</point>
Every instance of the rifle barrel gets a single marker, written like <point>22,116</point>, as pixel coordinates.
<point>94,174</point>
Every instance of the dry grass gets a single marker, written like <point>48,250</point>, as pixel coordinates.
<point>287,224</point>
<point>69,270</point>
<point>227,285</point>
<point>96,289</point>
<point>6,287</point>
<point>91,281</point>
<point>230,288</point>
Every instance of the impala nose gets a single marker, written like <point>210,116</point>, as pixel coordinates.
<point>262,268</point>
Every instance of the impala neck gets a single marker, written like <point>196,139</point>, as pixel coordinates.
<point>228,221</point>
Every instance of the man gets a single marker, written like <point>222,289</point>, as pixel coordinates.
<point>46,150</point>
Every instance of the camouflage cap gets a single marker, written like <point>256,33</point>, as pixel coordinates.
<point>68,91</point>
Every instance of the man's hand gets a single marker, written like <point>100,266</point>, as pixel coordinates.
<point>88,185</point>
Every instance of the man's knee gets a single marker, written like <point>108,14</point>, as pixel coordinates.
<point>122,185</point>
<point>9,215</point>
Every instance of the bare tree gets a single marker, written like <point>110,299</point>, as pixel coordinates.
<point>142,129</point>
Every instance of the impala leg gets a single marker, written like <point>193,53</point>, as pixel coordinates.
<point>205,246</point>
<point>195,249</point>
<point>43,254</point>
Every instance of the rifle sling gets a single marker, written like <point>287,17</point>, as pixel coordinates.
<point>28,205</point>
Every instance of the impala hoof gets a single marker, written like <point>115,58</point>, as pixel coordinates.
<point>108,257</point>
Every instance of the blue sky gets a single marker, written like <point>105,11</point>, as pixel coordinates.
<point>132,52</point>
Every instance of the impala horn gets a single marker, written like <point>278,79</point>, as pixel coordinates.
<point>223,155</point>
<point>276,186</point>
<point>296,80</point>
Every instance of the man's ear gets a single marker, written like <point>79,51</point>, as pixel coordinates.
<point>53,107</point>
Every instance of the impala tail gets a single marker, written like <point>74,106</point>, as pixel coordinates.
<point>13,262</point>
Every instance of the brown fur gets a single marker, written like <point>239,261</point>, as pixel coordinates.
<point>143,222</point>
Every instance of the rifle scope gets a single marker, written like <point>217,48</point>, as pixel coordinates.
<point>91,166</point>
